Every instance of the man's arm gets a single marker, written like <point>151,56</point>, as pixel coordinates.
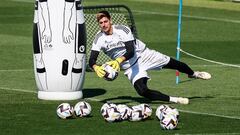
<point>129,45</point>
<point>93,58</point>
<point>92,63</point>
<point>129,42</point>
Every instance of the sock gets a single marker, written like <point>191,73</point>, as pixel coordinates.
<point>173,99</point>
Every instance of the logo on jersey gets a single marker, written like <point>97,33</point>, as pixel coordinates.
<point>115,45</point>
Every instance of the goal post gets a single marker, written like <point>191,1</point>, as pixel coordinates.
<point>120,14</point>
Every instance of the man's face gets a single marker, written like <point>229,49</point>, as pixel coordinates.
<point>105,25</point>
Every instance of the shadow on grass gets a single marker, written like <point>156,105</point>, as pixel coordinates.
<point>129,99</point>
<point>196,97</point>
<point>189,80</point>
<point>201,98</point>
<point>88,93</point>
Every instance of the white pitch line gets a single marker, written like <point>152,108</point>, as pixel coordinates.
<point>210,114</point>
<point>188,16</point>
<point>210,134</point>
<point>217,66</point>
<point>167,14</point>
<point>18,90</point>
<point>211,61</point>
<point>15,70</point>
<point>15,16</point>
<point>28,1</point>
<point>95,99</point>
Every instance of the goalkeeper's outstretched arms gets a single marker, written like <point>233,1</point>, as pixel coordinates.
<point>129,45</point>
<point>92,63</point>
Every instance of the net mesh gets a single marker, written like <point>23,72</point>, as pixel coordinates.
<point>120,15</point>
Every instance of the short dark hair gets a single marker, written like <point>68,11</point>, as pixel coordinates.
<point>102,14</point>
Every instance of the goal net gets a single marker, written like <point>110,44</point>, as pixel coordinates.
<point>120,14</point>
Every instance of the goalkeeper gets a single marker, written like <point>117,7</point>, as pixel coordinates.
<point>132,55</point>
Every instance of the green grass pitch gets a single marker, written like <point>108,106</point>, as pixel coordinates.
<point>210,29</point>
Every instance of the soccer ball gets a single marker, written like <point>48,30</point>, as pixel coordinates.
<point>168,116</point>
<point>168,121</point>
<point>111,74</point>
<point>64,111</point>
<point>110,113</point>
<point>147,110</point>
<point>167,109</point>
<point>160,109</point>
<point>136,113</point>
<point>106,106</point>
<point>124,110</point>
<point>173,111</point>
<point>82,109</point>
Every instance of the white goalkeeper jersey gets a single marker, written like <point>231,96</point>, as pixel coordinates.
<point>114,47</point>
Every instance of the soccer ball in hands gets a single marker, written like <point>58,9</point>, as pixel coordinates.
<point>110,113</point>
<point>64,111</point>
<point>82,109</point>
<point>111,74</point>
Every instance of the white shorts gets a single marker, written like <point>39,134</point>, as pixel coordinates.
<point>148,60</point>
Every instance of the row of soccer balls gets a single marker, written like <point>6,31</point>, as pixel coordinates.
<point>167,115</point>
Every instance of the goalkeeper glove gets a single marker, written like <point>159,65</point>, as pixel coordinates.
<point>115,63</point>
<point>99,71</point>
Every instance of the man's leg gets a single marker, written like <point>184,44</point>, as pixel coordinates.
<point>141,87</point>
<point>180,66</point>
<point>184,68</point>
